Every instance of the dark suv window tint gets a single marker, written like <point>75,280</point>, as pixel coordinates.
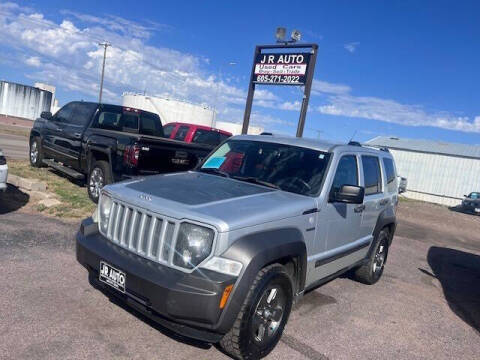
<point>347,172</point>
<point>65,113</point>
<point>82,114</point>
<point>129,121</point>
<point>223,137</point>
<point>109,120</point>
<point>372,175</point>
<point>167,130</point>
<point>390,173</point>
<point>151,125</point>
<point>181,133</point>
<point>206,137</point>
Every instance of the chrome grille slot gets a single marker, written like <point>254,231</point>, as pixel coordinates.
<point>141,232</point>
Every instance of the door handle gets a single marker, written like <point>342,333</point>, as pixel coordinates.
<point>359,208</point>
<point>77,135</point>
<point>59,129</point>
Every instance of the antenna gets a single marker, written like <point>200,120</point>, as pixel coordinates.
<point>354,133</point>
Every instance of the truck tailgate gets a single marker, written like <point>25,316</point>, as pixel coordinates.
<point>167,155</point>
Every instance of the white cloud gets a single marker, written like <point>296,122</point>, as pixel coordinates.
<point>393,112</point>
<point>33,61</point>
<point>67,55</point>
<point>319,86</point>
<point>351,47</point>
<point>287,105</point>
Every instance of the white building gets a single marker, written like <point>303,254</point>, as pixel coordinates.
<point>171,110</point>
<point>436,172</point>
<point>24,101</point>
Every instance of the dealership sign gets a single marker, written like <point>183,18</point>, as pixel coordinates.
<point>281,69</point>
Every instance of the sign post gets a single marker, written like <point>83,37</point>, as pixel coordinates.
<point>282,68</point>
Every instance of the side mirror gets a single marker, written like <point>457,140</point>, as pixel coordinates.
<point>350,194</point>
<point>47,115</point>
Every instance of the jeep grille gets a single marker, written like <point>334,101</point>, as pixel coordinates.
<point>141,232</point>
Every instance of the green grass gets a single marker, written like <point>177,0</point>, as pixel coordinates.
<point>74,198</point>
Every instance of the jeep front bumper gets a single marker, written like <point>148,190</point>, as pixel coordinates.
<point>185,303</point>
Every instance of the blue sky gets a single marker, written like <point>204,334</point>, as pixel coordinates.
<point>403,68</point>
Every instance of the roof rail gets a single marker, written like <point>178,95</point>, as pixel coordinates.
<point>267,133</point>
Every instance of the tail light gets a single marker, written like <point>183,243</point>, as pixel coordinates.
<point>131,155</point>
<point>3,161</point>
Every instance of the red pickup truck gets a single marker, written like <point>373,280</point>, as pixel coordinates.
<point>192,133</point>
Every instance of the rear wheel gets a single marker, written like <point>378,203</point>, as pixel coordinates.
<point>371,272</point>
<point>36,153</point>
<point>99,176</point>
<point>262,318</point>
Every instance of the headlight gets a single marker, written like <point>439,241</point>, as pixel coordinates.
<point>104,208</point>
<point>194,244</point>
<point>224,266</point>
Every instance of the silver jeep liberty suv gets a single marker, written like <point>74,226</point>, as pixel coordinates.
<point>222,253</point>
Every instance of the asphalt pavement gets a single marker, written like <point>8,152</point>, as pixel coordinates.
<point>14,146</point>
<point>426,306</point>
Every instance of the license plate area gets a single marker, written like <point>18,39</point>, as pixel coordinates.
<point>112,276</point>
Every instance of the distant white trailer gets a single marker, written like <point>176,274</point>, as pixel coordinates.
<point>171,110</point>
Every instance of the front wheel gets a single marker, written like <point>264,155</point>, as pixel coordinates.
<point>262,318</point>
<point>99,176</point>
<point>36,153</point>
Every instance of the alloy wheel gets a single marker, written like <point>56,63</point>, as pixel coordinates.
<point>268,314</point>
<point>96,182</point>
<point>34,152</point>
<point>380,255</point>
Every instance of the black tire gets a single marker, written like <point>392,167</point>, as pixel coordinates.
<point>371,271</point>
<point>99,176</point>
<point>244,341</point>
<point>36,152</point>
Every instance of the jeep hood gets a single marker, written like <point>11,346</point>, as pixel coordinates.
<point>226,203</point>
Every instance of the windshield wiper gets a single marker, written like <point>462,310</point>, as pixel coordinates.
<point>214,171</point>
<point>254,180</point>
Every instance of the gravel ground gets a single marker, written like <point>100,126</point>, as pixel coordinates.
<point>426,306</point>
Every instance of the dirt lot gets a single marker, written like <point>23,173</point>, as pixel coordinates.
<point>426,306</point>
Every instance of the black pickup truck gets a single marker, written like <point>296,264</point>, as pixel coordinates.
<point>108,143</point>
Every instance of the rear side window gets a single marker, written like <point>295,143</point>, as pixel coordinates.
<point>372,175</point>
<point>167,130</point>
<point>181,133</point>
<point>129,121</point>
<point>390,174</point>
<point>115,118</point>
<point>151,125</point>
<point>347,173</point>
<point>109,120</point>
<point>206,137</point>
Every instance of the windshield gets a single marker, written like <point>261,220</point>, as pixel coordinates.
<point>474,196</point>
<point>285,167</point>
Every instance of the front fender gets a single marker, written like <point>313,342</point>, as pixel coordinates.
<point>255,251</point>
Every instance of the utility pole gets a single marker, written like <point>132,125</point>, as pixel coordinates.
<point>105,44</point>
